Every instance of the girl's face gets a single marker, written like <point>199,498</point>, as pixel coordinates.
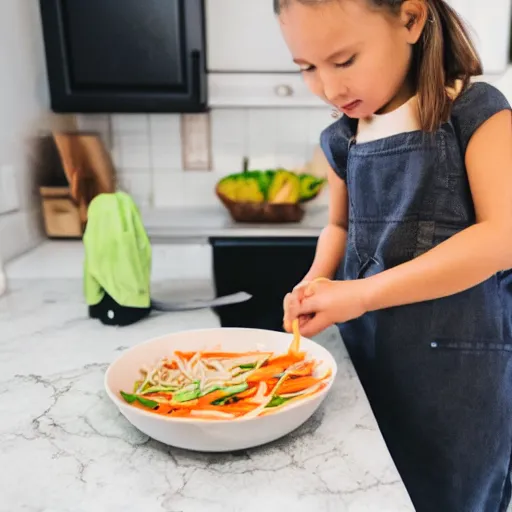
<point>354,57</point>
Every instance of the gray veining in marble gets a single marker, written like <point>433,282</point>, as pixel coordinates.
<point>65,448</point>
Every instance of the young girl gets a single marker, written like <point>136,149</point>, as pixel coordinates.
<point>421,216</point>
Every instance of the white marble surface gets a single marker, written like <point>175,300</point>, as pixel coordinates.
<point>200,223</point>
<point>3,278</point>
<point>65,448</point>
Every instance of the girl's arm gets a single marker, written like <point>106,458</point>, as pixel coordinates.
<point>473,255</point>
<point>331,243</point>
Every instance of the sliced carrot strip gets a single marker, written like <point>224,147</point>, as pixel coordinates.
<point>271,384</point>
<point>296,385</point>
<point>234,408</point>
<point>295,344</point>
<point>248,393</point>
<point>287,360</point>
<point>264,373</point>
<point>208,399</point>
<point>180,413</point>
<point>184,355</point>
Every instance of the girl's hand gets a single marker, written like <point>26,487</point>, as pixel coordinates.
<point>292,303</point>
<point>321,304</point>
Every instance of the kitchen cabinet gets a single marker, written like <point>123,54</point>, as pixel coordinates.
<point>129,56</point>
<point>249,63</point>
<point>244,37</point>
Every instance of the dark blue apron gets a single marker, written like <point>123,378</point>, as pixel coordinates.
<point>438,374</point>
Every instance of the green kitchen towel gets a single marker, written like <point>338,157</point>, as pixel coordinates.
<point>117,266</point>
<point>117,252</point>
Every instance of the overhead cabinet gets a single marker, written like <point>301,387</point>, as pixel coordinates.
<point>125,56</point>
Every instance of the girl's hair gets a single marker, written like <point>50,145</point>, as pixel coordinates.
<point>443,55</point>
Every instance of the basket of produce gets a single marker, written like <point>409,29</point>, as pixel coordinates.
<point>271,196</point>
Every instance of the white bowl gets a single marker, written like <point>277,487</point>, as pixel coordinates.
<point>208,435</point>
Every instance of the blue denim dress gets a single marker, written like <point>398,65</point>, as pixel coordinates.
<point>438,374</point>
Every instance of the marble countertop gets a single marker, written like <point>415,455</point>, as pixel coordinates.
<point>65,448</point>
<point>175,224</point>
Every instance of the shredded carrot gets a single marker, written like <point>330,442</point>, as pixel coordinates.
<point>208,399</point>
<point>184,355</point>
<point>288,359</point>
<point>180,413</point>
<point>271,384</point>
<point>248,393</point>
<point>296,385</point>
<point>295,345</point>
<point>199,370</point>
<point>265,372</point>
<point>187,356</point>
<point>233,408</point>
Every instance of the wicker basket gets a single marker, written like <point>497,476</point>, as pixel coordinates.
<point>262,212</point>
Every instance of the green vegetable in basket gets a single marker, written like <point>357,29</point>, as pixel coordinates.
<point>273,186</point>
<point>265,179</point>
<point>310,186</point>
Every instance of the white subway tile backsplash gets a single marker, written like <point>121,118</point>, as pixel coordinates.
<point>229,126</point>
<point>130,123</point>
<point>227,159</point>
<point>169,189</point>
<point>139,185</point>
<point>202,185</point>
<point>115,153</point>
<point>134,150</point>
<point>147,149</point>
<point>292,127</point>
<point>318,120</point>
<point>268,161</point>
<point>165,141</point>
<point>262,132</point>
<point>229,139</point>
<point>165,126</point>
<point>165,155</point>
<point>291,160</point>
<point>185,189</point>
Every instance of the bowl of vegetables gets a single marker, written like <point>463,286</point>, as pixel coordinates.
<point>271,196</point>
<point>221,389</point>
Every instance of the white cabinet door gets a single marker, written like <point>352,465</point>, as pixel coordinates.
<point>244,36</point>
<point>489,24</point>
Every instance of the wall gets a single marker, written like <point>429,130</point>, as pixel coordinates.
<point>24,113</point>
<point>147,149</point>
